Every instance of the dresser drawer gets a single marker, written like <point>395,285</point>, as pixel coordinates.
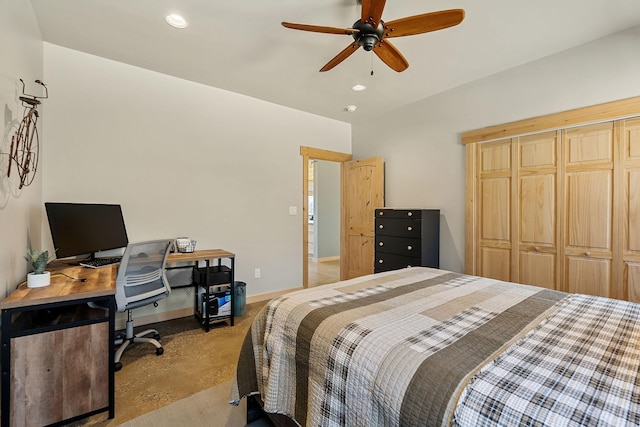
<point>386,262</point>
<point>398,213</point>
<point>398,245</point>
<point>399,227</point>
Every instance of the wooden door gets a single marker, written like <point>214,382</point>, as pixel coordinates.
<point>362,191</point>
<point>589,217</point>
<point>537,210</point>
<point>494,210</point>
<point>630,227</point>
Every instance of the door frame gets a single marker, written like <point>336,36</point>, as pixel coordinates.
<point>310,153</point>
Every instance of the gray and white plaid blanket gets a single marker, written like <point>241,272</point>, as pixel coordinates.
<point>426,347</point>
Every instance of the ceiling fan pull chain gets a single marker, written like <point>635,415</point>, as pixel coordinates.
<point>371,62</point>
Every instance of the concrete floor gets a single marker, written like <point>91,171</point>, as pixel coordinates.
<point>193,360</point>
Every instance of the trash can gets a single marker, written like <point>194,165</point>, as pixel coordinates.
<point>240,298</point>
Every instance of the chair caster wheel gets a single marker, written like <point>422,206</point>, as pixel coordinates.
<point>159,351</point>
<point>156,337</point>
<point>117,366</point>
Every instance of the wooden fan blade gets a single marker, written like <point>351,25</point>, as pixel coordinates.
<point>372,11</point>
<point>341,56</point>
<point>424,23</point>
<point>319,29</point>
<point>391,56</point>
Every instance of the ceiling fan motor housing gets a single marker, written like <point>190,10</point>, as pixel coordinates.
<point>367,36</point>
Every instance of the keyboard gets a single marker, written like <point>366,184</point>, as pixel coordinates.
<point>101,262</point>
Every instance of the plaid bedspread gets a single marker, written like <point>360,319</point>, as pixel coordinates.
<point>426,347</point>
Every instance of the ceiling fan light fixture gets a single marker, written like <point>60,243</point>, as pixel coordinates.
<point>368,41</point>
<point>350,108</point>
<point>176,20</point>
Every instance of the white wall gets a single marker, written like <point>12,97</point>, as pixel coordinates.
<point>20,214</point>
<point>183,159</point>
<point>424,159</point>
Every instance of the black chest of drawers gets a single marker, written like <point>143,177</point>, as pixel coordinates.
<point>407,238</point>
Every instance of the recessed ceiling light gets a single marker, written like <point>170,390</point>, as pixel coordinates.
<point>358,88</point>
<point>351,108</point>
<point>176,20</point>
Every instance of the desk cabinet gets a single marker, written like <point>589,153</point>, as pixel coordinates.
<point>57,360</point>
<point>406,238</point>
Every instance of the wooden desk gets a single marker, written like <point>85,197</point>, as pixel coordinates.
<point>57,352</point>
<point>208,255</point>
<point>204,255</point>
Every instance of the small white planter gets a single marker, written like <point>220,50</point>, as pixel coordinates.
<point>38,280</point>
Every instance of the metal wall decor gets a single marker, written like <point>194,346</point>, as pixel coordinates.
<point>25,143</point>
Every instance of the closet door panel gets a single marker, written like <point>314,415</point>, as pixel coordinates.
<point>588,275</point>
<point>632,219</point>
<point>538,269</point>
<point>538,210</point>
<point>589,210</point>
<point>632,279</point>
<point>589,199</point>
<point>495,202</point>
<point>495,157</point>
<point>494,210</point>
<point>589,144</point>
<point>494,263</point>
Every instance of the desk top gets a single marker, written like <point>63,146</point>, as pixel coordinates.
<point>199,255</point>
<point>99,282</point>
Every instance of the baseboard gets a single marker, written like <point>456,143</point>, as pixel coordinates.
<point>269,295</point>
<point>185,312</point>
<point>328,258</point>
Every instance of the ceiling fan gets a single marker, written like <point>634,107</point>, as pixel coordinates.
<point>371,32</point>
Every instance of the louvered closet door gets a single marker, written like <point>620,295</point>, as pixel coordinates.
<point>537,210</point>
<point>494,210</point>
<point>589,218</point>
<point>630,229</point>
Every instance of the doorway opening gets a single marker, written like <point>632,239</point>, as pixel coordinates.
<point>324,222</point>
<point>311,216</point>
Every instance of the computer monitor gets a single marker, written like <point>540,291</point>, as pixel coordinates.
<point>85,228</point>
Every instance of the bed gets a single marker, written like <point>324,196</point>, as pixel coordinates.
<point>429,347</point>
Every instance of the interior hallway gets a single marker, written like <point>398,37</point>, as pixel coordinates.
<point>323,272</point>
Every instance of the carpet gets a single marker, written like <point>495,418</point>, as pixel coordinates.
<point>209,407</point>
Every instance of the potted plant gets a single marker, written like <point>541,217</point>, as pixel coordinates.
<point>38,260</point>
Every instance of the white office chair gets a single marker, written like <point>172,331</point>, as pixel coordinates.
<point>141,281</point>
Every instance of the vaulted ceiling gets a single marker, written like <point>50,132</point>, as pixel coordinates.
<point>241,46</point>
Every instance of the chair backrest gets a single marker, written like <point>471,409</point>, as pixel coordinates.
<point>141,278</point>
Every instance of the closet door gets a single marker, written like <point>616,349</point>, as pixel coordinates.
<point>630,228</point>
<point>538,210</point>
<point>494,210</point>
<point>589,219</point>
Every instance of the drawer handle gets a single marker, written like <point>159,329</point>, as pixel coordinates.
<point>381,244</point>
<point>537,249</point>
<point>380,261</point>
<point>587,254</point>
<point>381,226</point>
<point>409,248</point>
<point>409,228</point>
<point>409,213</point>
